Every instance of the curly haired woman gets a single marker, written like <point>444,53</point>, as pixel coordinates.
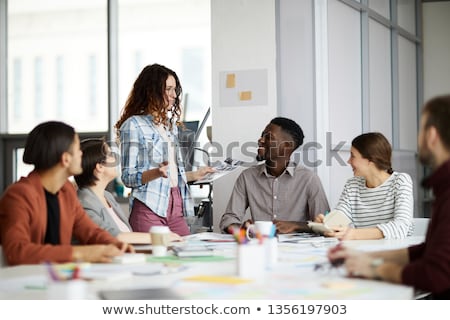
<point>152,164</point>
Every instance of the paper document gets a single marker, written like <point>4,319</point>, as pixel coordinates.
<point>298,236</point>
<point>210,236</point>
<point>222,168</point>
<point>335,218</point>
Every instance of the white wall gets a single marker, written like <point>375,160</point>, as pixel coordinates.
<point>243,38</point>
<point>436,48</point>
<point>319,59</point>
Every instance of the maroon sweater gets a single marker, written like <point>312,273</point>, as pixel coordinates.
<point>429,267</point>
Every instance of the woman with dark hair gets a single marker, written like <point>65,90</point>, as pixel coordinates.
<point>40,214</point>
<point>99,169</point>
<point>152,164</point>
<point>378,200</point>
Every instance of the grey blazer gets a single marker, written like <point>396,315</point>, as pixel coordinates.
<point>99,213</point>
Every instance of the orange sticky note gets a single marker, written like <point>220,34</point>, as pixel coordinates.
<point>231,80</point>
<point>245,95</point>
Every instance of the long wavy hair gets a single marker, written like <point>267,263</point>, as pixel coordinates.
<point>148,96</point>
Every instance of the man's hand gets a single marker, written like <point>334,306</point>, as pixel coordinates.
<point>357,263</point>
<point>99,252</point>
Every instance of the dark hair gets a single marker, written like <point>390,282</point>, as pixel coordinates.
<point>438,116</point>
<point>375,147</point>
<point>148,96</point>
<point>94,151</point>
<point>46,143</point>
<point>290,127</point>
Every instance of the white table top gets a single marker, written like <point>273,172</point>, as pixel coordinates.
<point>293,277</point>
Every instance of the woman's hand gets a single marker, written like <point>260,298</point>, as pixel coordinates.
<point>163,167</point>
<point>199,174</point>
<point>342,233</point>
<point>175,237</point>
<point>320,218</point>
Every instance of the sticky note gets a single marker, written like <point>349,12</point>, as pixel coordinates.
<point>338,285</point>
<point>245,95</point>
<point>231,80</point>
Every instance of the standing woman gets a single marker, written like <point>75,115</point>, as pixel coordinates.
<point>152,165</point>
<point>378,200</point>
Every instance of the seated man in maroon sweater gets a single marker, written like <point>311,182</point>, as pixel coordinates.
<point>425,266</point>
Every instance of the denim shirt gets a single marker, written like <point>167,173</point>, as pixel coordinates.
<point>142,149</point>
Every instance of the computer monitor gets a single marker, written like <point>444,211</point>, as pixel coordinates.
<point>188,138</point>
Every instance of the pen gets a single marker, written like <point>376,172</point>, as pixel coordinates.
<point>52,272</point>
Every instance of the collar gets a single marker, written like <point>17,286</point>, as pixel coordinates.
<point>290,169</point>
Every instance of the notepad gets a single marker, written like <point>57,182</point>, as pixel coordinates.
<point>127,258</point>
<point>335,218</point>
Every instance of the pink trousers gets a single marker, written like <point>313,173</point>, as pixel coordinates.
<point>142,218</point>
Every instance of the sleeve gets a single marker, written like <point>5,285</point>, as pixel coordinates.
<point>401,224</point>
<point>429,267</point>
<point>17,214</point>
<point>132,165</point>
<point>317,200</point>
<point>87,231</point>
<point>237,205</point>
<point>344,203</point>
<point>98,215</point>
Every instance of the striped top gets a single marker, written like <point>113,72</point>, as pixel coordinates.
<point>389,207</point>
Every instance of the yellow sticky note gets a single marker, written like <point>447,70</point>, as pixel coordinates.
<point>245,95</point>
<point>231,80</point>
<point>218,279</point>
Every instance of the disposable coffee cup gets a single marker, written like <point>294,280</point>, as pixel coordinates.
<point>160,240</point>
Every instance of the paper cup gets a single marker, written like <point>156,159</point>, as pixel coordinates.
<point>160,240</point>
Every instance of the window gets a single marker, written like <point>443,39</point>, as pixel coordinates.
<point>49,55</point>
<point>173,33</point>
<point>57,62</point>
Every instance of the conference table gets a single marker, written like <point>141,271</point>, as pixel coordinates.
<point>301,271</point>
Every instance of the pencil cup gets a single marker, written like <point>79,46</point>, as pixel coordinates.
<point>160,240</point>
<point>271,248</point>
<point>251,261</point>
<point>67,290</point>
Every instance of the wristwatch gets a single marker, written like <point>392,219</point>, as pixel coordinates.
<point>374,264</point>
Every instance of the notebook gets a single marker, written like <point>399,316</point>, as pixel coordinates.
<point>192,251</point>
<point>335,218</point>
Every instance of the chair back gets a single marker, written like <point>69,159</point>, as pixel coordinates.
<point>2,258</point>
<point>420,226</point>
